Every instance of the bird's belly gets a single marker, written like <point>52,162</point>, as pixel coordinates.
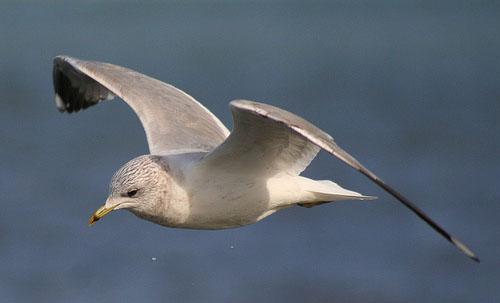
<point>223,213</point>
<point>235,202</point>
<point>221,206</point>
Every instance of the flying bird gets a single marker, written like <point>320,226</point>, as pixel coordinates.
<point>199,175</point>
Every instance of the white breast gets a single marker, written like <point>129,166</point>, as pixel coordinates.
<point>214,199</point>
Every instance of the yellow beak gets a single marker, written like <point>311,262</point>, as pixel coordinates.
<point>101,212</point>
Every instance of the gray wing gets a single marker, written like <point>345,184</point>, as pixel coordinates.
<point>261,146</point>
<point>268,139</point>
<point>171,118</point>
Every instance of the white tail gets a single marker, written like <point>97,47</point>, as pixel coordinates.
<point>327,191</point>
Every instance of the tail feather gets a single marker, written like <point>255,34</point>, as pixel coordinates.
<point>323,191</point>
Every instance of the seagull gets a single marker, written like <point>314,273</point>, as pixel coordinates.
<point>199,175</point>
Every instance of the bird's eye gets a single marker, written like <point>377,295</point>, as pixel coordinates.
<point>132,193</point>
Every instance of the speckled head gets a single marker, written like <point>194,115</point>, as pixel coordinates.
<point>139,186</point>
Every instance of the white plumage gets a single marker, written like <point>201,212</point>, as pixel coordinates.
<point>199,175</point>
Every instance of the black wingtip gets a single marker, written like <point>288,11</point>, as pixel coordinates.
<point>354,163</point>
<point>464,249</point>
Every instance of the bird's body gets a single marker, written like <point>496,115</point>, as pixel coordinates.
<point>199,198</point>
<point>199,175</point>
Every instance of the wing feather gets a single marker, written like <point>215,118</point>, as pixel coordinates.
<point>171,118</point>
<point>261,146</point>
<point>254,122</point>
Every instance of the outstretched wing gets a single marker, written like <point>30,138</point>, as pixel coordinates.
<point>172,119</point>
<point>261,146</point>
<point>269,140</point>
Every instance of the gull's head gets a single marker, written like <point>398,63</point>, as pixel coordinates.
<point>138,186</point>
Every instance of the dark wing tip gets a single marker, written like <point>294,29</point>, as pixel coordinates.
<point>464,249</point>
<point>75,90</point>
<point>326,142</point>
<point>351,161</point>
<point>66,94</point>
<point>420,213</point>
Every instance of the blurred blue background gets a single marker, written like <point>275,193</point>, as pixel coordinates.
<point>411,88</point>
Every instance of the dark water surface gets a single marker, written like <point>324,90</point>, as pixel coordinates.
<point>412,89</point>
